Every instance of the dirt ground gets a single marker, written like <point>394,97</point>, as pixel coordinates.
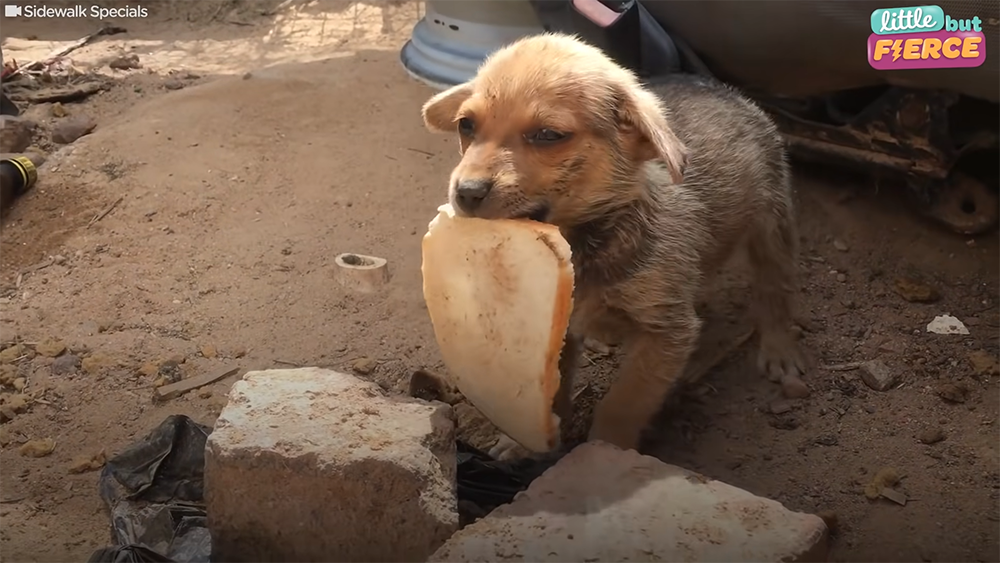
<point>238,190</point>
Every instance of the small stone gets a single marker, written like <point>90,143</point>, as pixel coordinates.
<point>72,128</point>
<point>125,62</point>
<point>209,351</point>
<point>174,84</point>
<point>67,364</point>
<point>38,448</point>
<point>11,354</point>
<point>8,374</point>
<point>473,428</point>
<point>885,477</point>
<point>364,365</point>
<point>793,387</point>
<point>953,393</point>
<point>50,347</point>
<point>5,437</point>
<point>780,407</point>
<point>19,384</point>
<point>58,110</point>
<point>841,278</point>
<point>931,435</point>
<point>984,363</point>
<point>95,363</point>
<point>149,369</point>
<point>946,324</point>
<point>877,375</point>
<point>15,133</point>
<point>915,291</point>
<point>205,394</point>
<point>840,245</point>
<point>83,464</point>
<point>170,371</point>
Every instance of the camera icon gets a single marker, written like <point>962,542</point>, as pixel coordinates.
<point>11,11</point>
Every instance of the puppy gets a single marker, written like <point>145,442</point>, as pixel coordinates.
<point>653,191</point>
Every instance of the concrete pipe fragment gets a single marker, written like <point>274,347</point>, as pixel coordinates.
<point>360,273</point>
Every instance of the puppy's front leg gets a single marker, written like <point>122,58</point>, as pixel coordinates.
<point>654,362</point>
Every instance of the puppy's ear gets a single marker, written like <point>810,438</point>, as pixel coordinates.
<point>439,112</point>
<point>641,114</point>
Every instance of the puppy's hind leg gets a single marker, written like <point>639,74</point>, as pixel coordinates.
<point>772,249</point>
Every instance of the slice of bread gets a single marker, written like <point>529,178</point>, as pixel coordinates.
<point>500,293</point>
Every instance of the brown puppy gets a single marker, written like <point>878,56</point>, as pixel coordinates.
<point>652,191</point>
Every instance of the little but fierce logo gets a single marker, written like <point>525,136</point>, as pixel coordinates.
<point>923,37</point>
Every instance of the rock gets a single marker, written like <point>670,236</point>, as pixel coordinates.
<point>125,62</point>
<point>314,465</point>
<point>877,375</point>
<point>432,387</point>
<point>8,374</point>
<point>58,110</point>
<point>174,84</point>
<point>149,369</point>
<point>915,291</point>
<point>38,448</point>
<point>13,405</point>
<point>793,387</point>
<point>931,435</point>
<point>15,133</point>
<point>93,364</point>
<point>840,245</point>
<point>984,363</point>
<point>67,364</point>
<point>886,477</point>
<point>11,354</point>
<point>780,407</point>
<point>72,128</point>
<point>209,351</point>
<point>953,392</point>
<point>85,463</point>
<point>474,428</point>
<point>842,278</point>
<point>50,347</point>
<point>600,503</point>
<point>19,384</point>
<point>946,324</point>
<point>364,365</point>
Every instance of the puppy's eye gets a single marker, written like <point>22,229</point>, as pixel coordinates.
<point>545,137</point>
<point>466,127</point>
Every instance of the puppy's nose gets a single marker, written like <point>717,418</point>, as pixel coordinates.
<point>470,193</point>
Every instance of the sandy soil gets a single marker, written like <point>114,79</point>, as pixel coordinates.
<point>237,190</point>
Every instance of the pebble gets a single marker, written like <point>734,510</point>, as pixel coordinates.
<point>50,347</point>
<point>931,435</point>
<point>125,62</point>
<point>840,245</point>
<point>780,407</point>
<point>72,128</point>
<point>877,375</point>
<point>38,448</point>
<point>841,278</point>
<point>364,365</point>
<point>915,291</point>
<point>67,364</point>
<point>953,393</point>
<point>209,351</point>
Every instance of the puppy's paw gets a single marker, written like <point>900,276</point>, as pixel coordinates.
<point>780,358</point>
<point>507,449</point>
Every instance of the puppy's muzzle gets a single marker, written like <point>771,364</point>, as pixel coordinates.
<point>469,194</point>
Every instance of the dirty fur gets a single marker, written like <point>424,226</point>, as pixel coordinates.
<point>654,188</point>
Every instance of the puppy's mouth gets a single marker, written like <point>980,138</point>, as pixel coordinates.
<point>537,213</point>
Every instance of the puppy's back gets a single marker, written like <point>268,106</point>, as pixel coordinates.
<point>737,166</point>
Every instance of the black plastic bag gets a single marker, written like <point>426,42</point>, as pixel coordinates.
<point>155,491</point>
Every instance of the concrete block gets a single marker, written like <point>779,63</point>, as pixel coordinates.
<point>600,503</point>
<point>315,465</point>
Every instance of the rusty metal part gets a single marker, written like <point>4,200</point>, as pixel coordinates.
<point>966,205</point>
<point>905,131</point>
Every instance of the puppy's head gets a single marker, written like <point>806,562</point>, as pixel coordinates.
<point>553,130</point>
